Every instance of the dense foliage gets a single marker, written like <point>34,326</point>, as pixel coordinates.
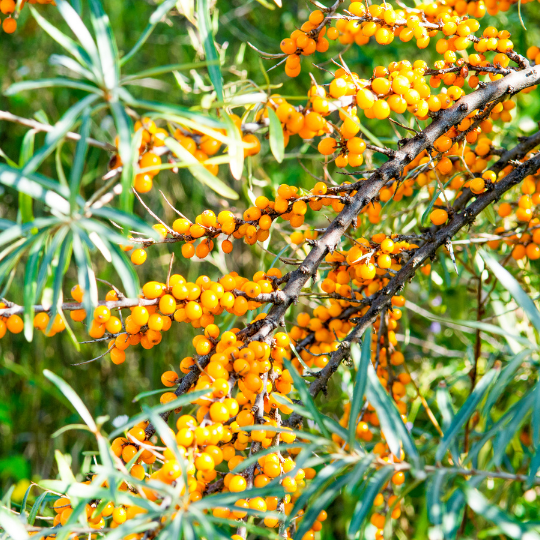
<point>269,271</point>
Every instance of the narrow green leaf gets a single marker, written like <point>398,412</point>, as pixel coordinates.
<point>155,18</point>
<point>82,34</point>
<point>79,161</point>
<point>453,512</point>
<point>73,398</point>
<point>48,261</point>
<point>362,359</point>
<point>326,474</point>
<point>506,523</point>
<point>128,220</point>
<point>444,402</point>
<point>25,201</point>
<point>72,65</point>
<point>61,269</point>
<point>106,44</point>
<point>179,402</point>
<point>85,274</point>
<point>149,393</point>
<point>33,186</point>
<point>27,147</point>
<point>199,171</point>
<point>514,421</point>
<point>485,327</point>
<point>427,211</point>
<point>124,128</point>
<point>536,418</point>
<point>330,424</point>
<point>59,131</point>
<point>66,42</point>
<point>235,148</point>
<point>466,412</point>
<point>489,212</point>
<point>513,287</point>
<point>205,32</point>
<point>434,489</point>
<point>70,427</point>
<point>10,522</point>
<point>356,477</point>
<point>533,469</point>
<point>168,68</point>
<point>66,474</point>
<point>503,380</point>
<point>168,109</point>
<point>317,506</point>
<point>16,230</point>
<point>26,208</point>
<point>35,508</point>
<point>305,396</point>
<point>30,286</point>
<point>395,431</point>
<point>25,501</point>
<point>57,82</point>
<point>277,142</point>
<point>265,451</point>
<point>365,503</point>
<point>131,527</point>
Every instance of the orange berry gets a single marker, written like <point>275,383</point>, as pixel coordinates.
<point>138,256</point>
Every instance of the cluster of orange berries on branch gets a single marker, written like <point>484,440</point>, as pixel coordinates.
<point>212,441</point>
<point>8,7</point>
<point>97,519</point>
<point>525,244</point>
<point>306,40</point>
<point>457,20</point>
<point>290,204</point>
<point>195,303</point>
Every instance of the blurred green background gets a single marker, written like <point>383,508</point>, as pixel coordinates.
<point>31,409</point>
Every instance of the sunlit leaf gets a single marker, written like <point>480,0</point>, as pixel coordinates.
<point>235,149</point>
<point>506,523</point>
<point>362,358</point>
<point>34,186</point>
<point>124,127</point>
<point>10,522</point>
<point>58,82</point>
<point>277,142</point>
<point>74,399</point>
<point>106,44</point>
<point>434,487</point>
<point>71,46</point>
<point>395,431</point>
<point>205,31</point>
<point>199,171</point>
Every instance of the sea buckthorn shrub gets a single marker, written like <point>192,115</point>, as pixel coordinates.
<point>329,247</point>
